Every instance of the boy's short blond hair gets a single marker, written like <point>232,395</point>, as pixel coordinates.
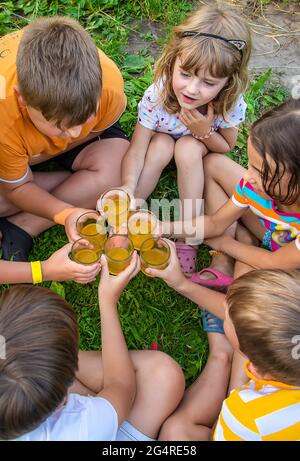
<point>264,307</point>
<point>58,70</point>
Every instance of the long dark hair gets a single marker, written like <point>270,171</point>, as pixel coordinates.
<point>277,134</point>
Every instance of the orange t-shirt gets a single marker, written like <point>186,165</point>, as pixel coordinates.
<point>20,139</point>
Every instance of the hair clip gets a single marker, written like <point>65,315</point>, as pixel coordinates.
<point>238,44</point>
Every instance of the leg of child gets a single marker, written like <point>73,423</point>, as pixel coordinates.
<point>188,157</point>
<point>27,221</point>
<point>221,177</point>
<point>159,154</point>
<point>201,405</point>
<point>189,153</point>
<point>238,375</point>
<point>96,168</point>
<point>160,386</point>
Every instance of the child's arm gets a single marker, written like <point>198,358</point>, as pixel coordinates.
<point>119,384</point>
<point>173,276</point>
<point>58,267</point>
<point>200,125</point>
<point>134,159</point>
<point>204,226</point>
<point>28,196</point>
<point>287,257</point>
<point>221,141</point>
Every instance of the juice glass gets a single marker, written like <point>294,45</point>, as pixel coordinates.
<point>115,205</point>
<point>154,254</point>
<point>141,226</point>
<point>118,250</point>
<point>83,254</point>
<point>91,227</point>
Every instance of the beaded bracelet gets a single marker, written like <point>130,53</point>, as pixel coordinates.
<point>216,253</point>
<point>36,272</point>
<point>211,131</point>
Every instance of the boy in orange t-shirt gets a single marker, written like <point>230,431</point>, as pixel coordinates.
<point>59,97</point>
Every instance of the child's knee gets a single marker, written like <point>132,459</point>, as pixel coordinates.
<point>161,148</point>
<point>167,373</point>
<point>212,163</point>
<point>245,236</point>
<point>174,427</point>
<point>189,151</point>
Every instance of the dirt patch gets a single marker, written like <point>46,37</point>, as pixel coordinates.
<point>275,32</point>
<point>276,41</point>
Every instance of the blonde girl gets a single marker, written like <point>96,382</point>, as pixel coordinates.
<point>193,107</point>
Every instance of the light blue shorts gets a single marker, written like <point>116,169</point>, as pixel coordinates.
<point>129,433</point>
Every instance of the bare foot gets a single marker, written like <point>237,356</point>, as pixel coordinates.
<point>221,263</point>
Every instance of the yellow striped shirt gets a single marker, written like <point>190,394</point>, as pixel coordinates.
<point>260,410</point>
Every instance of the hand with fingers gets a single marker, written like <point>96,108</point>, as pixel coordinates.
<point>173,274</point>
<point>111,286</point>
<point>59,267</point>
<point>70,223</point>
<point>199,125</point>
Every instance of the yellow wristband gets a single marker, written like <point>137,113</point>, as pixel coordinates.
<point>36,272</point>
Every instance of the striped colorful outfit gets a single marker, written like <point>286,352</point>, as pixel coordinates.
<point>281,227</point>
<point>260,411</point>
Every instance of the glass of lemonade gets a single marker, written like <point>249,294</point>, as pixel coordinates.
<point>83,254</point>
<point>118,250</point>
<point>154,254</point>
<point>141,226</point>
<point>115,204</point>
<point>91,226</point>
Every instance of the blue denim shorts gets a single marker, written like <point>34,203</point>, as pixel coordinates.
<point>266,240</point>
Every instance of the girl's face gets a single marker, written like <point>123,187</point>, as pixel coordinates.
<point>193,90</point>
<point>254,173</point>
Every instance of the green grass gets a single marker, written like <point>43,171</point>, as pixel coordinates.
<point>149,310</point>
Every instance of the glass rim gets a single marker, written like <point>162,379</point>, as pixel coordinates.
<point>83,247</point>
<point>119,189</point>
<point>99,217</point>
<point>143,210</point>
<point>155,239</point>
<point>118,235</point>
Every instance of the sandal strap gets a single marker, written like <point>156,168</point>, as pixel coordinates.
<point>211,323</point>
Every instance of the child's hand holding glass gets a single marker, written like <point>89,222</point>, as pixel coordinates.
<point>111,286</point>
<point>60,267</point>
<point>173,274</point>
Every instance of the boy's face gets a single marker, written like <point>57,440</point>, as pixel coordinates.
<point>193,90</point>
<point>50,129</point>
<point>47,127</point>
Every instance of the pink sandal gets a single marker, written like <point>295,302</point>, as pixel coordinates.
<point>221,280</point>
<point>187,256</point>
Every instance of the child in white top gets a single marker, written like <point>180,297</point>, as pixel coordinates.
<point>124,396</point>
<point>193,107</point>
